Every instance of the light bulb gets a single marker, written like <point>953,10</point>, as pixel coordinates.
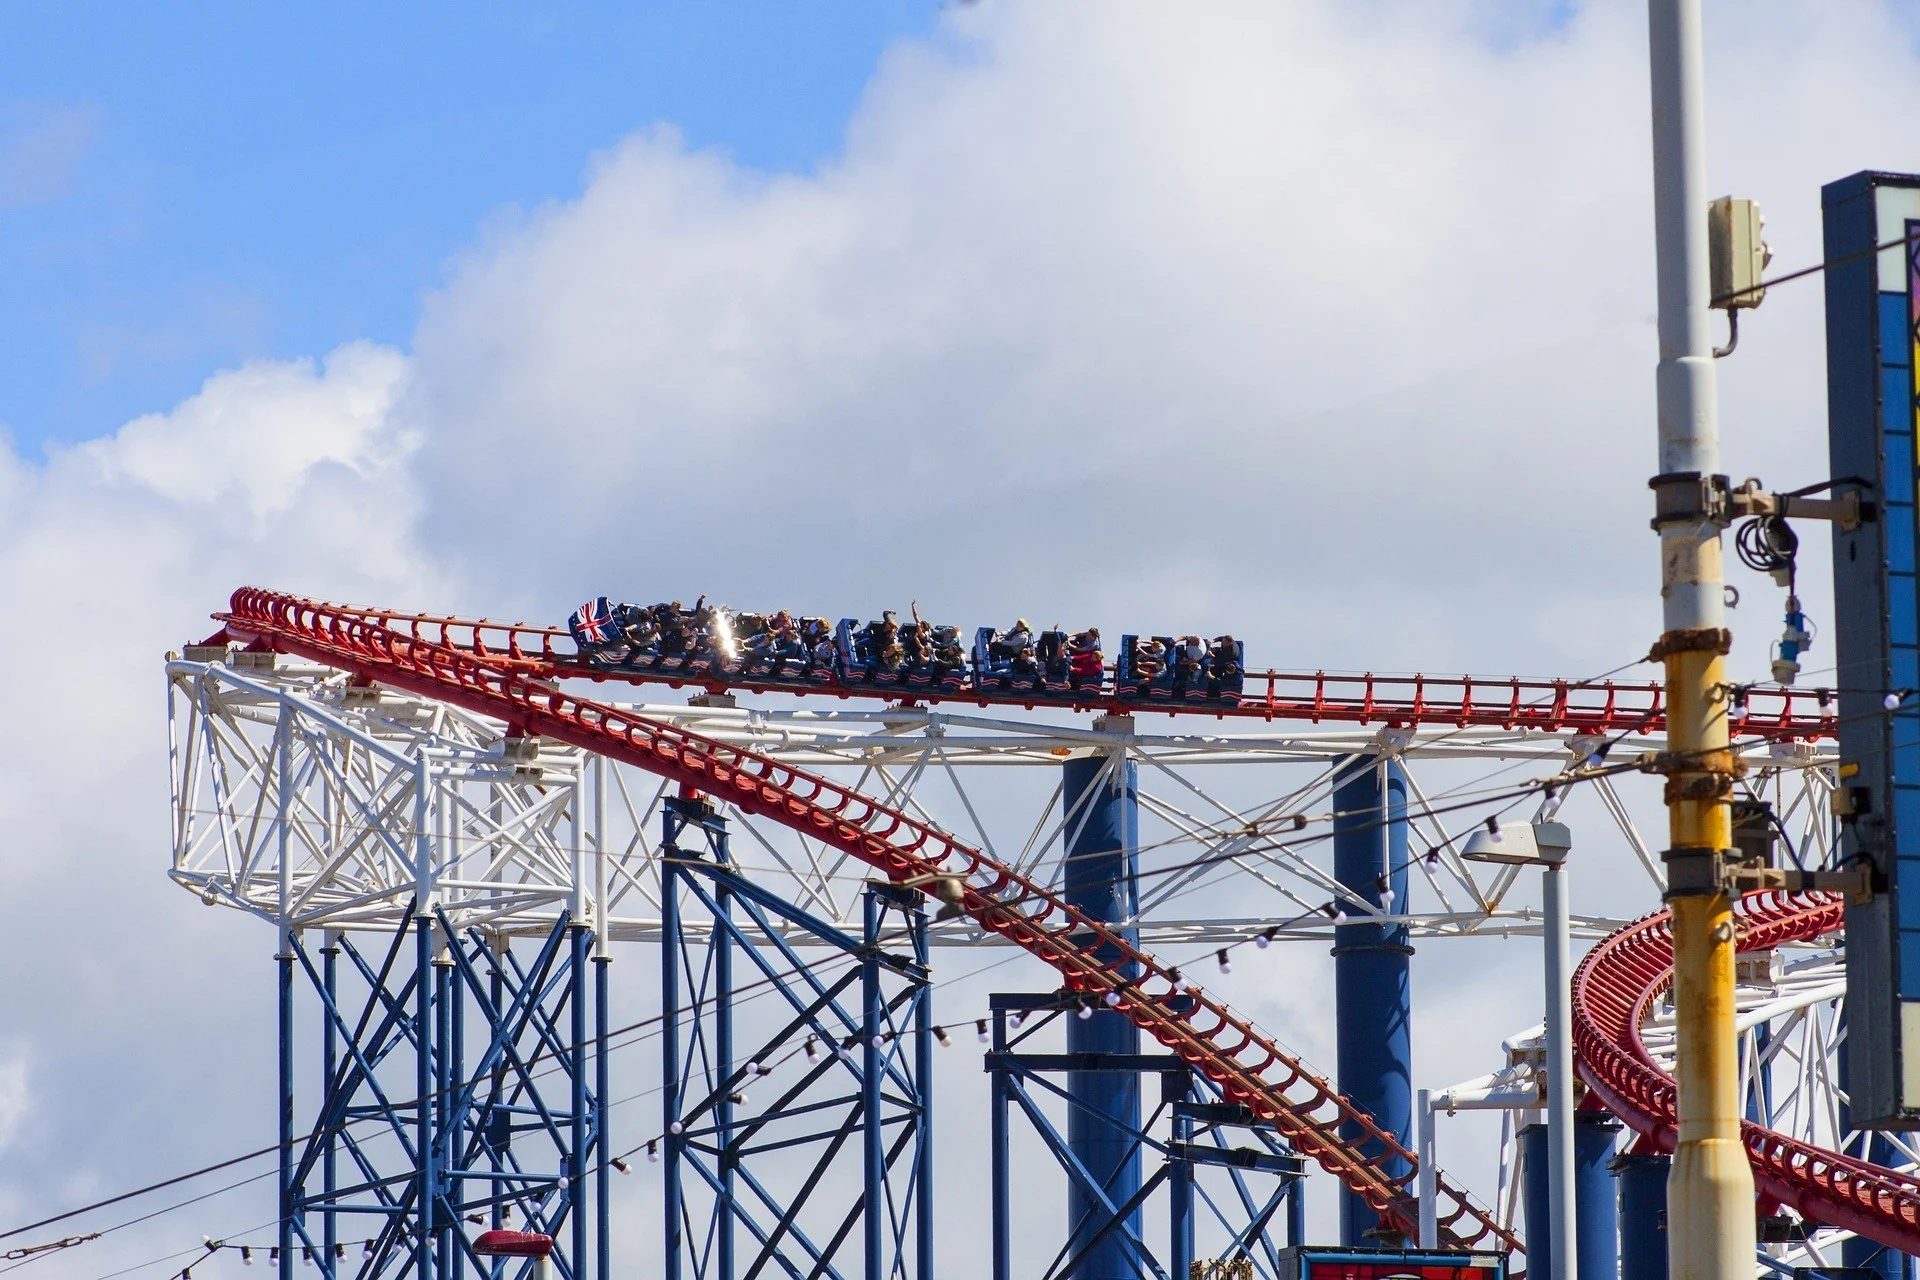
<point>1084,1012</point>
<point>653,1151</point>
<point>676,1128</point>
<point>1892,700</point>
<point>1226,966</point>
<point>620,1165</point>
<point>812,1050</point>
<point>1339,916</point>
<point>1386,897</point>
<point>1112,999</point>
<point>940,1034</point>
<point>980,1030</point>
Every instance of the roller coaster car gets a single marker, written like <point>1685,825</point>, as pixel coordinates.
<point>596,632</point>
<point>870,653</point>
<point>779,649</point>
<point>996,669</point>
<point>1154,667</point>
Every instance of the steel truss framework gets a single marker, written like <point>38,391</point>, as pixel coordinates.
<point>322,804</point>
<point>1198,1136</point>
<point>461,1086</point>
<point>524,828</point>
<point>767,1171</point>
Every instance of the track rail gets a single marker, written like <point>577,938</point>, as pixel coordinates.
<point>1409,701</point>
<point>1613,990</point>
<point>1247,1066</point>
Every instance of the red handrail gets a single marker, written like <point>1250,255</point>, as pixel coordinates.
<point>1547,705</point>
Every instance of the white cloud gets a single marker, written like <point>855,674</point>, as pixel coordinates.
<point>1329,324</point>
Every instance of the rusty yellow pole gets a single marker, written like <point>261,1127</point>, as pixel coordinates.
<point>1710,1227</point>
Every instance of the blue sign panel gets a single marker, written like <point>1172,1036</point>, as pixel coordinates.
<point>1872,308</point>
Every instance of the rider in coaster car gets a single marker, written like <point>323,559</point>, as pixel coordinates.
<point>1083,654</point>
<point>1189,662</point>
<point>638,626</point>
<point>1224,660</point>
<point>673,629</point>
<point>1050,653</point>
<point>881,634</point>
<point>1026,664</point>
<point>1149,659</point>
<point>1007,645</point>
<point>948,656</point>
<point>916,640</point>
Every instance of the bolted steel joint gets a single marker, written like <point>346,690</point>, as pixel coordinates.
<point>1687,497</point>
<point>1698,640</point>
<point>1694,871</point>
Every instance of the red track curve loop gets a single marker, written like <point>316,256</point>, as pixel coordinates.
<point>1612,991</point>
<point>1552,706</point>
<point>1247,1066</point>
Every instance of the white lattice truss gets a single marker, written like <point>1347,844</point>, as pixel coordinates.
<point>315,803</point>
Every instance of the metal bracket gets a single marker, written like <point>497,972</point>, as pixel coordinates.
<point>1847,510</point>
<point>1687,497</point>
<point>1694,871</point>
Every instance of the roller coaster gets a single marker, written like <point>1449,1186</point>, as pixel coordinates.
<point>343,814</point>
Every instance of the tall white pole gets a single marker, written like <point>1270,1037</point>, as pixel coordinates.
<point>1429,1174</point>
<point>1560,1197</point>
<point>1710,1190</point>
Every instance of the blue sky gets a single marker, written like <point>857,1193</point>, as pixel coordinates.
<point>183,187</point>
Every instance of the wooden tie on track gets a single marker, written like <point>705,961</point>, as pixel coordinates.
<point>1247,1066</point>
<point>1614,989</point>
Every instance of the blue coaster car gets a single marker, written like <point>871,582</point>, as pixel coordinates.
<point>1174,669</point>
<point>869,654</point>
<point>778,649</point>
<point>596,633</point>
<point>933,656</point>
<point>1086,667</point>
<point>1003,667</point>
<point>1050,655</point>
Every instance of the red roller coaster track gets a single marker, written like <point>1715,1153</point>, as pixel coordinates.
<point>1247,1066</point>
<point>1613,990</point>
<point>1555,706</point>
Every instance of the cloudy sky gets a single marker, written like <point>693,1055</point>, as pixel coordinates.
<point>1329,324</point>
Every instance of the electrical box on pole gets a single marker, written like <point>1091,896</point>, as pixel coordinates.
<point>1873,302</point>
<point>1736,255</point>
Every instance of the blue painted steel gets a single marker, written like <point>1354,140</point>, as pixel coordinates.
<point>427,1137</point>
<point>1100,798</point>
<point>1207,1135</point>
<point>1595,1204</point>
<point>1535,1172</point>
<point>1372,973</point>
<point>1642,1184</point>
<point>1870,438</point>
<point>757,1187</point>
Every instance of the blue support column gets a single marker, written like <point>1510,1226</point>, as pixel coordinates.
<point>1372,972</point>
<point>1642,1182</point>
<point>1597,1244</point>
<point>329,1063</point>
<point>1534,1200</point>
<point>1100,799</point>
<point>1000,1174</point>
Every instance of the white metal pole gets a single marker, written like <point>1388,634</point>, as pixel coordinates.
<point>1560,1198</point>
<point>1429,1172</point>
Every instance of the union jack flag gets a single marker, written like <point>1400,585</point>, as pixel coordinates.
<point>592,622</point>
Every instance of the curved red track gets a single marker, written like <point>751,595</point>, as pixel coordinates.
<point>1613,990</point>
<point>1247,1066</point>
<point>1554,706</point>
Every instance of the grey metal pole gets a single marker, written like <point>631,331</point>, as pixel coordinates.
<point>1710,1195</point>
<point>1560,1197</point>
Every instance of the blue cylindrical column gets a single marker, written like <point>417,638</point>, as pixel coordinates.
<point>1642,1184</point>
<point>1536,1175</point>
<point>1100,799</point>
<point>1597,1238</point>
<point>1372,971</point>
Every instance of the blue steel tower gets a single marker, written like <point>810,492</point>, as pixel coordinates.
<point>1100,798</point>
<point>1372,970</point>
